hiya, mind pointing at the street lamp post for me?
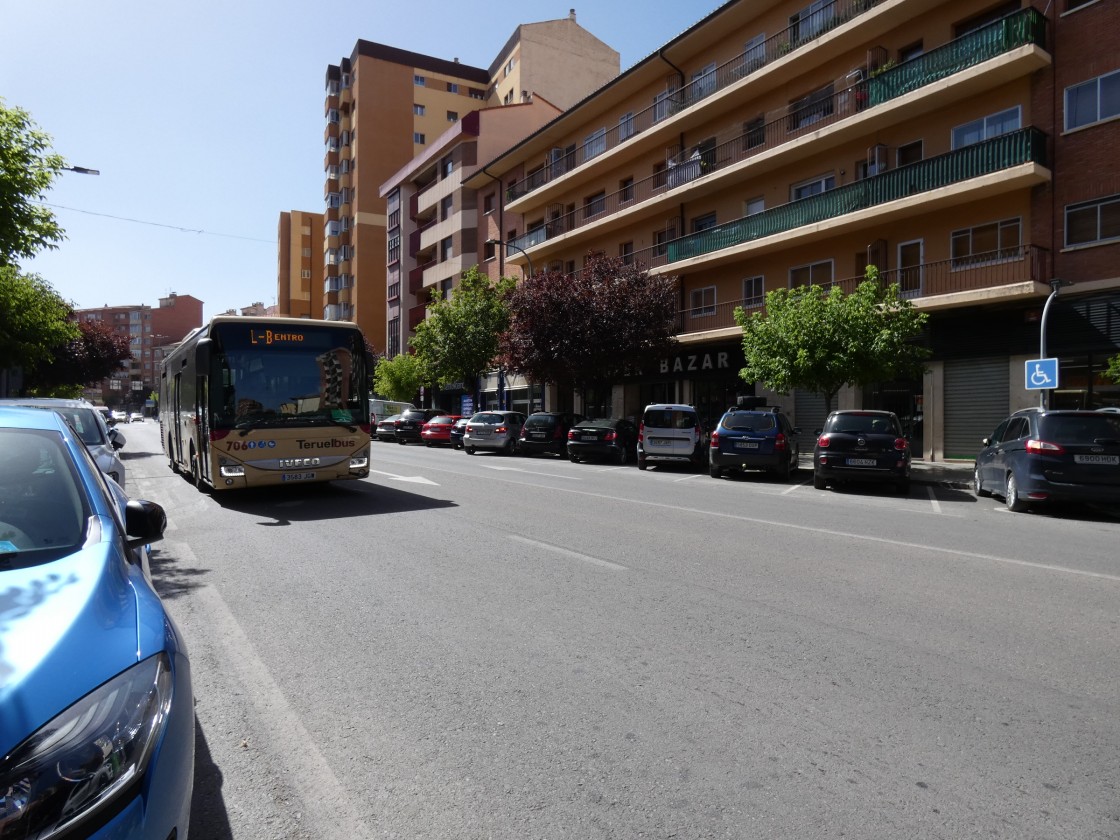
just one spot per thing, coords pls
(1055, 287)
(81, 170)
(508, 245)
(501, 370)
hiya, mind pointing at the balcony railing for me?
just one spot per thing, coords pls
(788, 125)
(416, 277)
(989, 156)
(827, 17)
(1026, 263)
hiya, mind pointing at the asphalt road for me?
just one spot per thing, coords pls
(491, 647)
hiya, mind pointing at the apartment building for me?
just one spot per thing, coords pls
(966, 149)
(385, 106)
(299, 270)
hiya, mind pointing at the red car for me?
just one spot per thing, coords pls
(438, 429)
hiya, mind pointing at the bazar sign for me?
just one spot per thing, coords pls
(687, 362)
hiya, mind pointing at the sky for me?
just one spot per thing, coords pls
(205, 120)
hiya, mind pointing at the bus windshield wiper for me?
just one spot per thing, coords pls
(247, 424)
(334, 422)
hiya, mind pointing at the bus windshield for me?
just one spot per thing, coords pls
(303, 376)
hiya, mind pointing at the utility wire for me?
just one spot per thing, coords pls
(157, 224)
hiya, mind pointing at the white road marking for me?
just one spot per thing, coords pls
(413, 479)
(534, 472)
(794, 487)
(685, 478)
(933, 500)
(575, 555)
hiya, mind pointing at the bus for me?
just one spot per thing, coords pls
(254, 401)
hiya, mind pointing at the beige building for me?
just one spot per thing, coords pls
(299, 280)
(775, 145)
(385, 106)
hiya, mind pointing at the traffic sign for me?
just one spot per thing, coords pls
(1042, 374)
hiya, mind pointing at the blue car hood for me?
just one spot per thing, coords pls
(65, 628)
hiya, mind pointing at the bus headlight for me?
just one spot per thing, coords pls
(232, 471)
(359, 462)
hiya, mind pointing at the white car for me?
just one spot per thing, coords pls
(136, 417)
(101, 441)
(118, 416)
(671, 433)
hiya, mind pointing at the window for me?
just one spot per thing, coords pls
(475, 93)
(452, 116)
(1093, 101)
(394, 249)
(661, 105)
(306, 252)
(452, 87)
(489, 251)
(509, 68)
(810, 21)
(987, 127)
(446, 166)
(332, 143)
(344, 138)
(703, 82)
(419, 81)
(330, 257)
(986, 243)
(508, 98)
(334, 200)
(418, 109)
(595, 144)
(1093, 221)
(810, 109)
(446, 207)
(345, 80)
(488, 203)
(755, 132)
(984, 18)
(332, 88)
(332, 115)
(909, 153)
(660, 243)
(660, 175)
(1077, 4)
(626, 125)
(445, 248)
(702, 302)
(418, 137)
(814, 187)
(813, 274)
(705, 222)
(593, 205)
(754, 53)
(910, 51)
(753, 293)
(305, 274)
(626, 190)
(753, 206)
(626, 252)
(333, 228)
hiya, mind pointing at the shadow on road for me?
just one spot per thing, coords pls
(208, 808)
(313, 502)
(170, 577)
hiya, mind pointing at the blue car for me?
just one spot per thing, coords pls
(96, 705)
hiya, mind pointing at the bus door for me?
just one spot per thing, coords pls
(203, 409)
(175, 420)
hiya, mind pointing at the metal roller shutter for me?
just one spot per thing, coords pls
(810, 415)
(977, 396)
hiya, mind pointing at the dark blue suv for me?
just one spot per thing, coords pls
(756, 438)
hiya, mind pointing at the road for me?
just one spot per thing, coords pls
(492, 647)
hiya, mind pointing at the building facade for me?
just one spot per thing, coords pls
(299, 270)
(965, 150)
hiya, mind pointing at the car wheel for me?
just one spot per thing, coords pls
(573, 459)
(978, 485)
(819, 482)
(641, 463)
(1011, 496)
(714, 471)
(510, 448)
(470, 450)
(620, 456)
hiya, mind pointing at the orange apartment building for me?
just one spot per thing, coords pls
(385, 106)
(967, 149)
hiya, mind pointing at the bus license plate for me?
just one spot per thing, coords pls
(297, 476)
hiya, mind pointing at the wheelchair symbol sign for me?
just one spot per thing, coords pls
(1042, 374)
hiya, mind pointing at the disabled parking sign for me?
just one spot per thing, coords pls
(1042, 374)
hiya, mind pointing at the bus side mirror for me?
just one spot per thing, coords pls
(204, 351)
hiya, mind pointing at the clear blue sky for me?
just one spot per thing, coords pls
(208, 116)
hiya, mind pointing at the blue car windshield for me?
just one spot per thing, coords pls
(41, 507)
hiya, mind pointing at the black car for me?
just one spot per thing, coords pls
(457, 430)
(605, 438)
(1036, 457)
(546, 432)
(411, 423)
(754, 439)
(862, 446)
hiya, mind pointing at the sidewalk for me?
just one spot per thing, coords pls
(956, 474)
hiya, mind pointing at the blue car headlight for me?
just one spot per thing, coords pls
(88, 756)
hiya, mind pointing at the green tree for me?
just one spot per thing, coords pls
(93, 355)
(1113, 370)
(458, 340)
(27, 169)
(33, 319)
(591, 329)
(824, 340)
(400, 377)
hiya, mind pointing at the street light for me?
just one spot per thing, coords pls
(81, 170)
(1055, 286)
(516, 248)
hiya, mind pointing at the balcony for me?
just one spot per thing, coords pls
(985, 158)
(1026, 264)
(787, 127)
(416, 277)
(416, 314)
(794, 37)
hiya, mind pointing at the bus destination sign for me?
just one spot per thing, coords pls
(275, 337)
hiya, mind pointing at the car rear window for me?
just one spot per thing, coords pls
(863, 424)
(743, 422)
(541, 421)
(1080, 428)
(669, 418)
(442, 420)
(488, 418)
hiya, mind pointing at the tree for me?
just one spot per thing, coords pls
(458, 340)
(33, 319)
(824, 340)
(94, 354)
(27, 170)
(1113, 370)
(400, 377)
(591, 329)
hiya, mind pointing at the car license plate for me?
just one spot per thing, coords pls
(1109, 460)
(659, 442)
(589, 437)
(297, 476)
(862, 462)
(746, 444)
(536, 435)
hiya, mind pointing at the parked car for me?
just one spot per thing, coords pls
(136, 417)
(862, 446)
(546, 432)
(411, 424)
(438, 429)
(387, 428)
(603, 438)
(1036, 457)
(670, 433)
(458, 428)
(97, 726)
(754, 439)
(102, 441)
(496, 430)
